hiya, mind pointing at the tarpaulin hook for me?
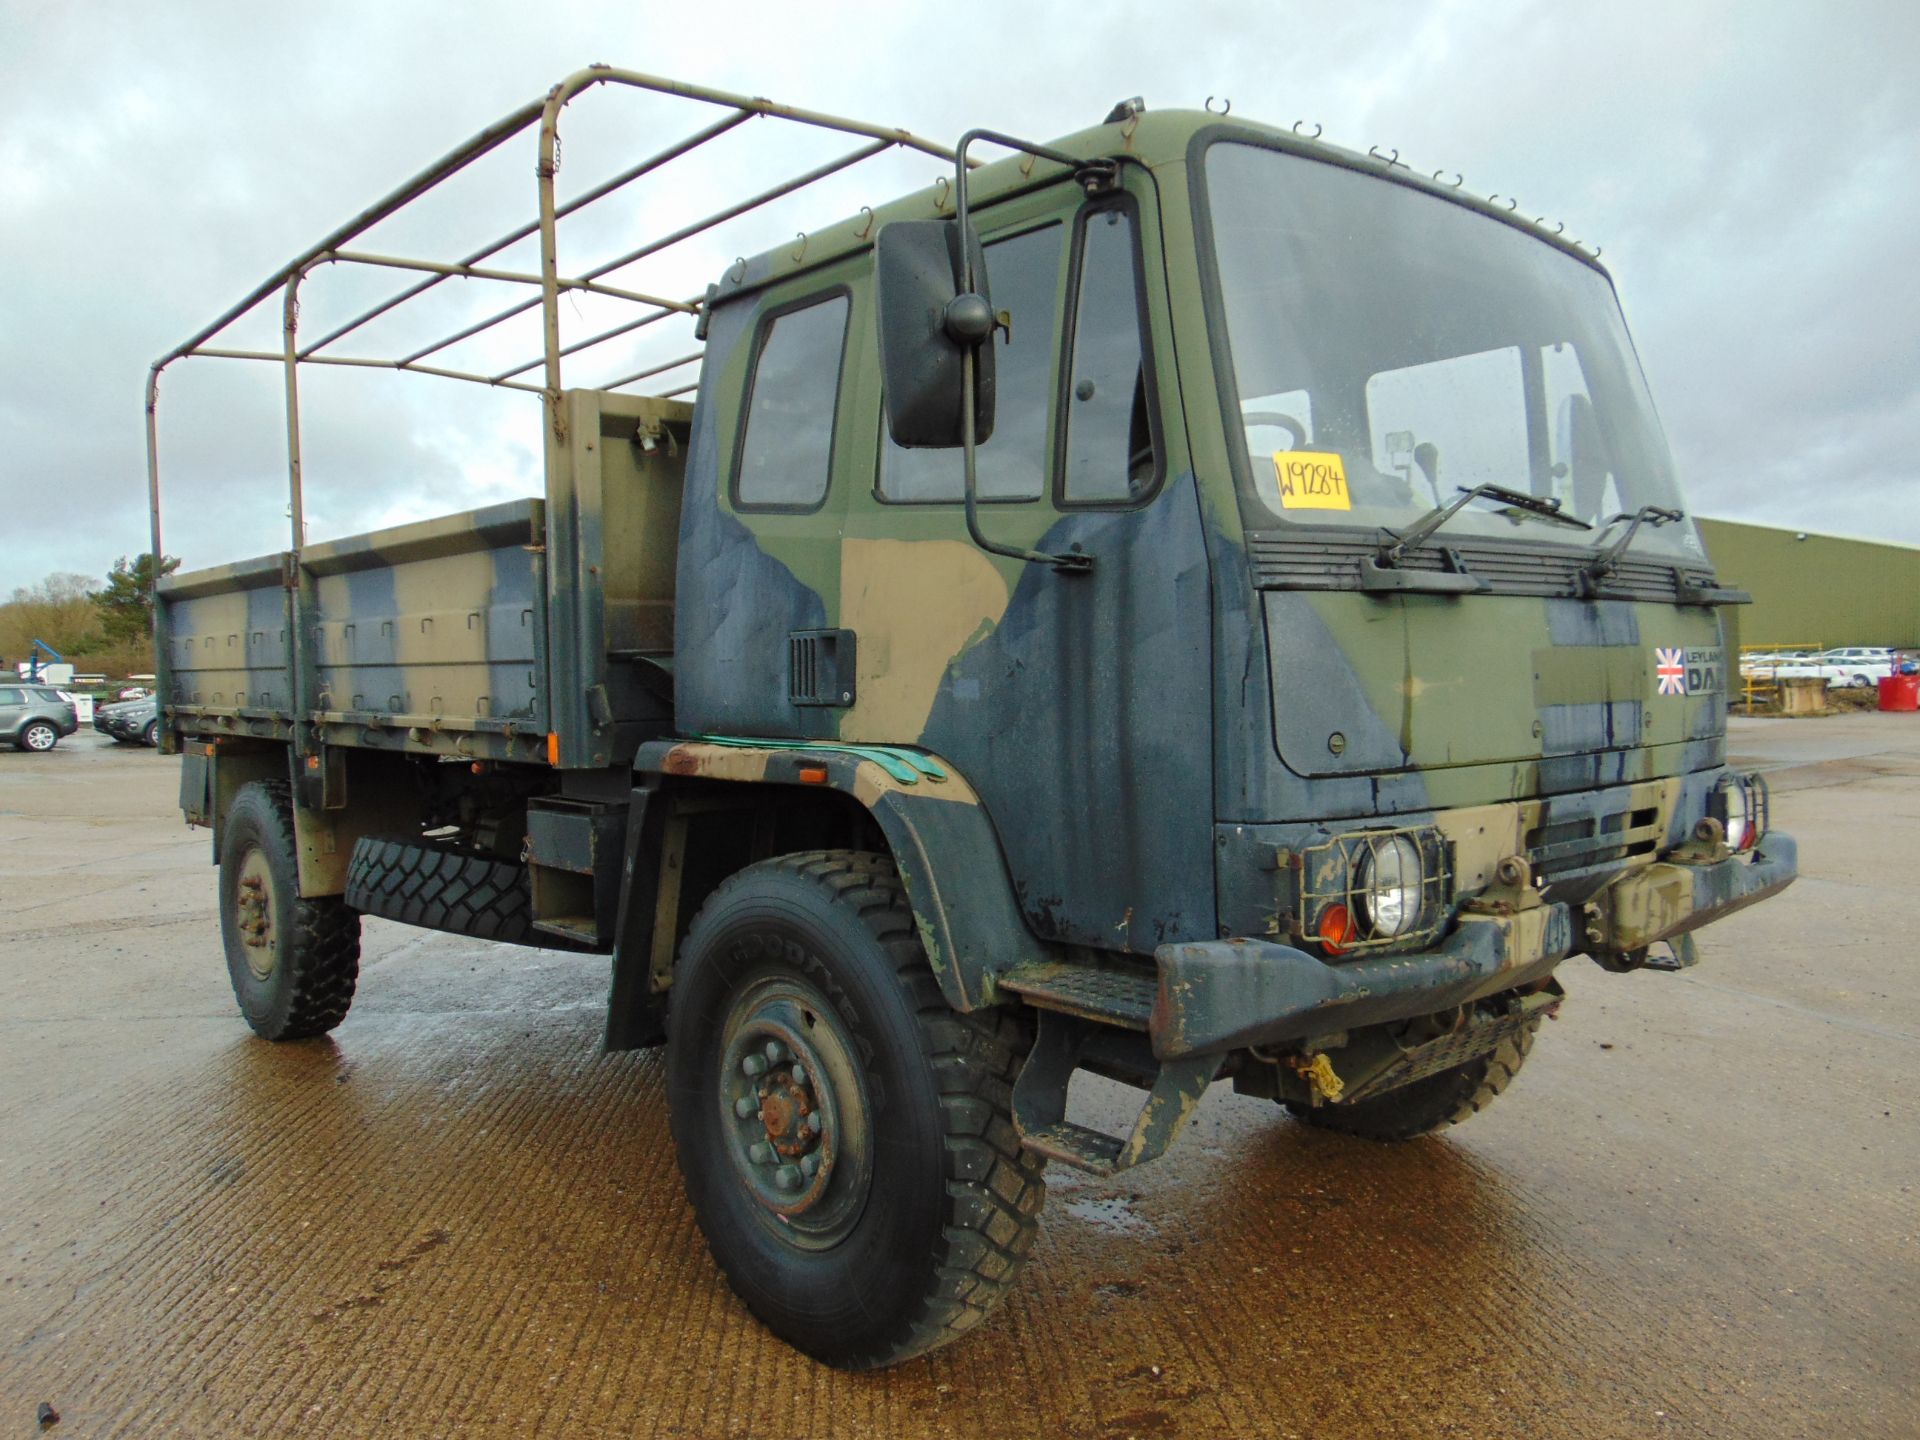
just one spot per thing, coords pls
(738, 272)
(867, 229)
(1388, 160)
(800, 250)
(1226, 106)
(1455, 183)
(1318, 129)
(1512, 204)
(941, 187)
(1559, 227)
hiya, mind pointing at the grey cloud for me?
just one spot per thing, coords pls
(1744, 167)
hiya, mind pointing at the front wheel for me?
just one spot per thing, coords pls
(293, 962)
(39, 737)
(151, 735)
(846, 1139)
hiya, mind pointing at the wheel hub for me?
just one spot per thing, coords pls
(253, 907)
(794, 1113)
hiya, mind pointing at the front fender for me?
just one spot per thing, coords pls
(943, 841)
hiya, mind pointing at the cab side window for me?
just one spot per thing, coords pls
(1024, 273)
(1110, 453)
(786, 442)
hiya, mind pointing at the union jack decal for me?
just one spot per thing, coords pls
(1669, 672)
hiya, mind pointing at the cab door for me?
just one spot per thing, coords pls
(1076, 704)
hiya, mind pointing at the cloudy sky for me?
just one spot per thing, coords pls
(1748, 169)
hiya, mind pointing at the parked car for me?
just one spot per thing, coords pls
(132, 722)
(1846, 667)
(35, 717)
(1857, 665)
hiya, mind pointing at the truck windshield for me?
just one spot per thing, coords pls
(1391, 348)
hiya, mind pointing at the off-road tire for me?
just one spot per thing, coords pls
(440, 886)
(1430, 1104)
(317, 965)
(953, 1204)
(37, 737)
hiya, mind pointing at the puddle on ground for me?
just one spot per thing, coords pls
(1113, 1213)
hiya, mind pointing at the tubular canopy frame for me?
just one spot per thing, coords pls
(333, 250)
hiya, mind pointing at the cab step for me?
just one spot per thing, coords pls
(1106, 995)
(1040, 1098)
(1080, 1146)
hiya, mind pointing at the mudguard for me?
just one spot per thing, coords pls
(941, 837)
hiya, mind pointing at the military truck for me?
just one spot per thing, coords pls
(1183, 603)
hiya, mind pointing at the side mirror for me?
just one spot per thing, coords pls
(927, 326)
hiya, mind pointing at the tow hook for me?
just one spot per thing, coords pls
(1323, 1085)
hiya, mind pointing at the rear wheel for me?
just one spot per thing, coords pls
(846, 1139)
(39, 737)
(294, 962)
(1430, 1104)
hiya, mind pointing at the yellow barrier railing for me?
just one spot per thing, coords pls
(1760, 667)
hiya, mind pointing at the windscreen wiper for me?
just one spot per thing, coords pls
(1441, 514)
(1381, 571)
(1604, 564)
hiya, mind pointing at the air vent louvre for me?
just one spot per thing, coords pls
(1287, 562)
(820, 667)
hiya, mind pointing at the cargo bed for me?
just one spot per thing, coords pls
(534, 630)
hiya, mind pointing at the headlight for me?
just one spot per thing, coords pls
(1387, 884)
(1739, 803)
(1736, 818)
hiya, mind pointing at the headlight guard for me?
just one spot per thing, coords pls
(1742, 806)
(1371, 890)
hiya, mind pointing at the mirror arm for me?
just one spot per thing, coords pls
(1070, 564)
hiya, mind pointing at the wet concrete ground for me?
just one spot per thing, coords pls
(1696, 1213)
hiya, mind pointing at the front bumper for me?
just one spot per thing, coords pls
(1220, 995)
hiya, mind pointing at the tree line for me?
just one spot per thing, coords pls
(104, 627)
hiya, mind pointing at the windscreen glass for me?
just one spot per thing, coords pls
(1391, 348)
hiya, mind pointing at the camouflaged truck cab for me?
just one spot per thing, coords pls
(1185, 603)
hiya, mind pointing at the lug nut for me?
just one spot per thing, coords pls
(776, 1052)
(787, 1177)
(760, 1152)
(753, 1065)
(799, 1073)
(744, 1107)
(810, 1166)
(814, 1122)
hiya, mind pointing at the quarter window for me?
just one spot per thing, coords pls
(1110, 451)
(786, 452)
(1024, 272)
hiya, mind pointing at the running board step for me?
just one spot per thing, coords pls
(1077, 1145)
(1105, 996)
(1040, 1101)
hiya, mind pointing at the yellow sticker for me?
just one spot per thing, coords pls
(1312, 480)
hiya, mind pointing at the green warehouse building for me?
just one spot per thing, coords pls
(1809, 589)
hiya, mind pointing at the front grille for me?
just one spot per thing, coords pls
(1576, 846)
(1291, 562)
